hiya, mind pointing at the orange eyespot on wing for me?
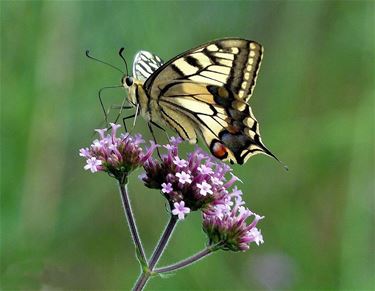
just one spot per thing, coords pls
(219, 150)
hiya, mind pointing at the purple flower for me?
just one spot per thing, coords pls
(183, 177)
(205, 170)
(205, 188)
(180, 210)
(117, 156)
(198, 179)
(84, 152)
(93, 164)
(180, 163)
(230, 231)
(216, 181)
(256, 235)
(166, 188)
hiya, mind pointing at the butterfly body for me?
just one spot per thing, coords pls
(138, 97)
(203, 91)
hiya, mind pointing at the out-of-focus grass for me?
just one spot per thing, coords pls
(63, 228)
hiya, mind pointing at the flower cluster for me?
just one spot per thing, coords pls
(199, 182)
(117, 156)
(231, 231)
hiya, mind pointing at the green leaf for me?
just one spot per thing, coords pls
(165, 275)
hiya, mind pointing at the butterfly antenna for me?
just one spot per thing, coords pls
(120, 52)
(103, 62)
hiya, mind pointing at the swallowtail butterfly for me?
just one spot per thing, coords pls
(203, 92)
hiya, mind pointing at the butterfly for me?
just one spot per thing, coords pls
(203, 92)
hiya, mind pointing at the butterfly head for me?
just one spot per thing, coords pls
(127, 81)
(129, 85)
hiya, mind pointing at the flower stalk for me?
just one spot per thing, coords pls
(158, 251)
(189, 261)
(131, 222)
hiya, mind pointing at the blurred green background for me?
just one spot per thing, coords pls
(63, 228)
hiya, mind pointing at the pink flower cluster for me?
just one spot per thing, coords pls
(117, 156)
(199, 182)
(231, 231)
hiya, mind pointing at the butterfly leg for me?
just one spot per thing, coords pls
(158, 126)
(124, 121)
(150, 123)
(102, 103)
(122, 106)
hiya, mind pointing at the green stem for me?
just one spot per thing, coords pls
(146, 274)
(185, 263)
(131, 222)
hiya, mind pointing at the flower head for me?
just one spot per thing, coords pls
(197, 179)
(231, 231)
(116, 155)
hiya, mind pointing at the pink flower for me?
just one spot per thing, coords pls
(166, 188)
(180, 163)
(205, 188)
(216, 181)
(198, 179)
(183, 177)
(92, 164)
(84, 152)
(116, 155)
(180, 210)
(231, 231)
(205, 170)
(256, 235)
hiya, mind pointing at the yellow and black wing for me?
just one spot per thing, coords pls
(206, 90)
(145, 64)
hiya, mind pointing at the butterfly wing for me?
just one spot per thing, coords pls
(145, 64)
(231, 62)
(206, 89)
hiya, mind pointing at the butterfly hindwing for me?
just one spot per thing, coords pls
(228, 127)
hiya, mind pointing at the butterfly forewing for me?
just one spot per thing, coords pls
(145, 64)
(231, 62)
(206, 90)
